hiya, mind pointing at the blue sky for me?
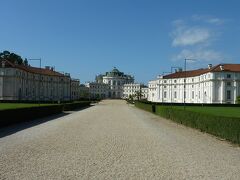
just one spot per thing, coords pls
(140, 37)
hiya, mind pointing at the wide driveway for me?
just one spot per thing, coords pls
(113, 140)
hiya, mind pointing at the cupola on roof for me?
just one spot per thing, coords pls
(115, 70)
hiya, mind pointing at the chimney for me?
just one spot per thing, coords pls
(221, 67)
(52, 68)
(179, 69)
(47, 67)
(209, 66)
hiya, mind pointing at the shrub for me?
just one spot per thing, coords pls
(76, 105)
(10, 116)
(224, 127)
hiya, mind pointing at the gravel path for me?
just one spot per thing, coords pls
(113, 140)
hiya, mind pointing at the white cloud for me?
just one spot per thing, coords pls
(208, 19)
(183, 36)
(200, 55)
(196, 37)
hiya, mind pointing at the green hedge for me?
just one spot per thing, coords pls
(11, 116)
(76, 105)
(224, 127)
(145, 106)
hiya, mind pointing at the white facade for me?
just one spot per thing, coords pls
(75, 89)
(144, 92)
(153, 90)
(133, 89)
(26, 83)
(110, 85)
(218, 84)
(97, 90)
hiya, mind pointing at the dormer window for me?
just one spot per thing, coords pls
(228, 75)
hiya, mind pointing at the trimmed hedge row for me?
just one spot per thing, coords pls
(224, 127)
(76, 105)
(11, 116)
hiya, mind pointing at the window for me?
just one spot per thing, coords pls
(165, 94)
(192, 86)
(184, 94)
(229, 84)
(199, 95)
(165, 81)
(192, 80)
(175, 86)
(192, 94)
(175, 81)
(175, 94)
(228, 75)
(228, 95)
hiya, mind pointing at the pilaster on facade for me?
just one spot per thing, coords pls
(216, 84)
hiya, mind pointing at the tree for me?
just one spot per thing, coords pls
(12, 57)
(138, 94)
(238, 100)
(130, 97)
(25, 62)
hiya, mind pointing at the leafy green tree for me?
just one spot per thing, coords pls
(238, 100)
(12, 57)
(25, 62)
(130, 97)
(138, 94)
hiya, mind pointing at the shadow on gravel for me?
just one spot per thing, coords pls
(11, 129)
(78, 109)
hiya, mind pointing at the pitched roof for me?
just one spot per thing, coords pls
(35, 70)
(197, 72)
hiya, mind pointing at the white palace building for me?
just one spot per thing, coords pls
(116, 85)
(109, 85)
(26, 83)
(215, 84)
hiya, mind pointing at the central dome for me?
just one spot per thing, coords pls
(115, 70)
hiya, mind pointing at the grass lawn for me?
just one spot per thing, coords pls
(4, 106)
(218, 111)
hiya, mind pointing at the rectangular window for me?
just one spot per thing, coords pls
(175, 94)
(228, 75)
(199, 95)
(228, 95)
(229, 84)
(192, 94)
(165, 94)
